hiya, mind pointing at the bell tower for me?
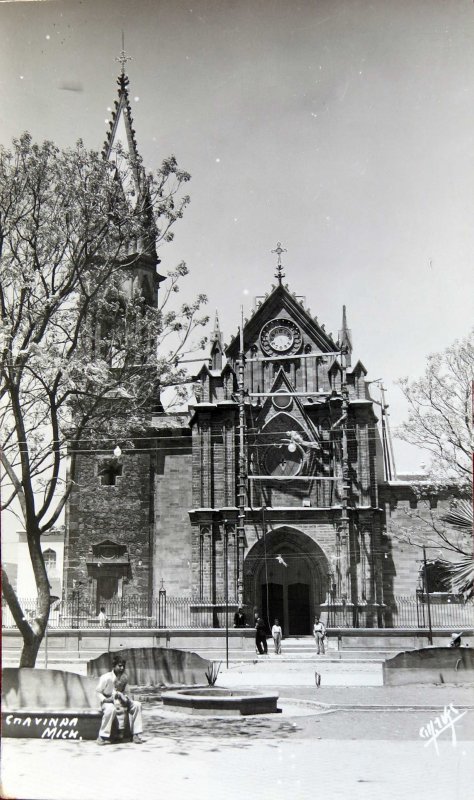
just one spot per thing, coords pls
(120, 148)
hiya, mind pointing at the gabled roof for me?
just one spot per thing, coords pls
(278, 297)
(359, 368)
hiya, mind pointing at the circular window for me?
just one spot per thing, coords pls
(279, 461)
(282, 400)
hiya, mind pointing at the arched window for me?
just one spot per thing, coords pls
(49, 559)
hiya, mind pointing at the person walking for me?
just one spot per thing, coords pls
(114, 702)
(319, 632)
(276, 635)
(261, 637)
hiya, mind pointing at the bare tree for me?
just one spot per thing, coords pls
(440, 422)
(440, 412)
(78, 337)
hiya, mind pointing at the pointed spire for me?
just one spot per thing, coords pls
(279, 274)
(345, 337)
(216, 333)
(217, 347)
(123, 113)
(130, 170)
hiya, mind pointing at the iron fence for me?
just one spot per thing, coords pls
(131, 612)
(189, 612)
(401, 611)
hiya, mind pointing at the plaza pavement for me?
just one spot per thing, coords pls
(338, 741)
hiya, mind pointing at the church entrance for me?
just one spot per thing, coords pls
(289, 580)
(290, 604)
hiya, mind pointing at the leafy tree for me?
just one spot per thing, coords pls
(440, 422)
(440, 412)
(78, 346)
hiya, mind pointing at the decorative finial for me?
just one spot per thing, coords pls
(123, 58)
(279, 274)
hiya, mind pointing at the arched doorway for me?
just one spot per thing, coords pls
(286, 577)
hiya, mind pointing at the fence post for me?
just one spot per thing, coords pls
(162, 606)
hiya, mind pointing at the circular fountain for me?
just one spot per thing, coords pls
(220, 702)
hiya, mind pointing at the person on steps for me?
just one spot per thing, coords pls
(319, 632)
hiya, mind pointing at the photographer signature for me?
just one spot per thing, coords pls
(445, 721)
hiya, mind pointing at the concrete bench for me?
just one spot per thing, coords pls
(49, 704)
(453, 665)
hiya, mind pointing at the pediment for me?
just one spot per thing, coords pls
(281, 304)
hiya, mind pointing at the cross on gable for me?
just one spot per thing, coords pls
(279, 274)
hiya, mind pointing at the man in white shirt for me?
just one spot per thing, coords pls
(319, 632)
(113, 701)
(277, 634)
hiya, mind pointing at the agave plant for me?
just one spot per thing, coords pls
(462, 572)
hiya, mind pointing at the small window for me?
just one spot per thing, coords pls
(109, 470)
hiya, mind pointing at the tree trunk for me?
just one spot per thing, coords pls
(32, 631)
(29, 653)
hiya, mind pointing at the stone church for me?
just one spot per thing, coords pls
(273, 491)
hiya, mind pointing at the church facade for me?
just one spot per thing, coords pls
(273, 491)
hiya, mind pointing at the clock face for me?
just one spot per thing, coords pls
(280, 336)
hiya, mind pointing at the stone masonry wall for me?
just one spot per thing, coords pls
(411, 518)
(121, 513)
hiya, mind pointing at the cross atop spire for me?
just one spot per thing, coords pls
(123, 58)
(279, 274)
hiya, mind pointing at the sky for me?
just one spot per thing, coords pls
(342, 128)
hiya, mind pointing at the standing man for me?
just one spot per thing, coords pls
(276, 635)
(319, 632)
(261, 637)
(111, 691)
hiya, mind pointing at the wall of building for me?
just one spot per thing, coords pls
(24, 580)
(172, 531)
(409, 523)
(121, 513)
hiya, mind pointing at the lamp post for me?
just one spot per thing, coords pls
(76, 585)
(226, 590)
(427, 590)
